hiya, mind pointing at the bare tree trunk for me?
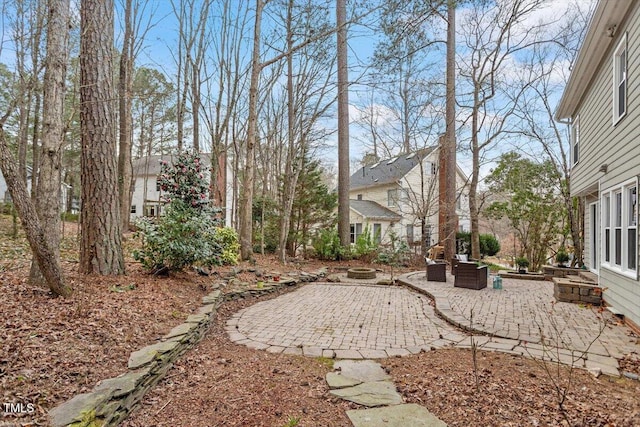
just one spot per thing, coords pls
(48, 201)
(125, 83)
(101, 248)
(35, 147)
(246, 199)
(449, 238)
(475, 176)
(292, 165)
(40, 247)
(343, 125)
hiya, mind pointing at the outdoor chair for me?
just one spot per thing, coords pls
(471, 276)
(459, 258)
(455, 260)
(436, 271)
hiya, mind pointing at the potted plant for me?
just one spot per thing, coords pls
(561, 257)
(523, 264)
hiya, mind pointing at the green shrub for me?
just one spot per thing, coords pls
(562, 256)
(365, 244)
(227, 240)
(188, 233)
(180, 238)
(489, 245)
(327, 245)
(395, 254)
(522, 262)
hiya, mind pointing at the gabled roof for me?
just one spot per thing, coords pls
(150, 165)
(387, 171)
(370, 209)
(601, 33)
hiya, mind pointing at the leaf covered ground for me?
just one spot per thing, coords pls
(52, 349)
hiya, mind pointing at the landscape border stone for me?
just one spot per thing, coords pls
(113, 399)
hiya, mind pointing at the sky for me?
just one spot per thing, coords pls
(162, 35)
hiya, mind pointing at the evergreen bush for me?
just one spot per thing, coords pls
(489, 245)
(327, 245)
(188, 233)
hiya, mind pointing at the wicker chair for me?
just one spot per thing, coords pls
(470, 275)
(436, 271)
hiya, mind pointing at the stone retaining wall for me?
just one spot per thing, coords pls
(568, 290)
(111, 401)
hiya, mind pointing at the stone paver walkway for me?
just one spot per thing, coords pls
(369, 321)
(366, 383)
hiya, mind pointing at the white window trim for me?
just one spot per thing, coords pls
(575, 140)
(622, 46)
(595, 245)
(605, 218)
(611, 191)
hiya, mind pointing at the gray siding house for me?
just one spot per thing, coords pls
(602, 104)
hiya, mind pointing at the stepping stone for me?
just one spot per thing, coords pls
(361, 370)
(378, 393)
(337, 380)
(407, 415)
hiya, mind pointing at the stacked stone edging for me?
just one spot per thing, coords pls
(113, 399)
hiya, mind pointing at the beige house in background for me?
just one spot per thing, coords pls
(602, 104)
(147, 196)
(393, 194)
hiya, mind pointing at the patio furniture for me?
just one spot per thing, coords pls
(460, 258)
(436, 271)
(471, 276)
(455, 260)
(436, 252)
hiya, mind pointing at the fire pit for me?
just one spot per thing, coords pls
(361, 273)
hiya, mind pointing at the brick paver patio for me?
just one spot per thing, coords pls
(368, 321)
(364, 320)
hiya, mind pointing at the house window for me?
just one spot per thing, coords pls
(359, 196)
(392, 197)
(620, 213)
(606, 219)
(133, 209)
(575, 140)
(593, 231)
(410, 233)
(356, 231)
(617, 228)
(429, 168)
(377, 233)
(152, 210)
(158, 184)
(631, 195)
(620, 80)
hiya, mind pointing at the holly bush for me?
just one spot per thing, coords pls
(189, 232)
(180, 238)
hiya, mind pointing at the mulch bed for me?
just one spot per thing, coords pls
(52, 349)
